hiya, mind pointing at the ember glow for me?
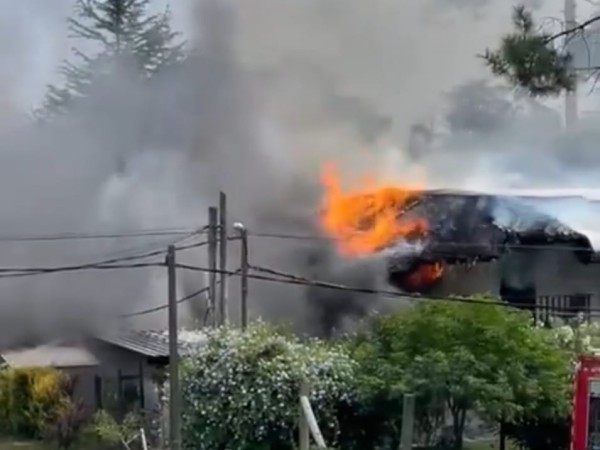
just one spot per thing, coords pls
(370, 218)
(424, 276)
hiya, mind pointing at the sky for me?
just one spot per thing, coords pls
(377, 51)
(34, 40)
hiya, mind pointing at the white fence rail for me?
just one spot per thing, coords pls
(308, 422)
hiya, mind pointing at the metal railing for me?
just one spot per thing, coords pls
(562, 306)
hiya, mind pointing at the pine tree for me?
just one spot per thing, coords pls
(121, 31)
(527, 58)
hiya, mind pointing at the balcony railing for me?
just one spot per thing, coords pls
(562, 306)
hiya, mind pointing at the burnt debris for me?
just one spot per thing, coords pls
(466, 228)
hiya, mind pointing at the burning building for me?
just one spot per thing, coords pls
(463, 243)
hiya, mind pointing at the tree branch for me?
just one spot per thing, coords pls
(572, 30)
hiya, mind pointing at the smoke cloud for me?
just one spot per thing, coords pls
(273, 88)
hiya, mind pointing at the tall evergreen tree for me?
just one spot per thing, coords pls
(118, 31)
(528, 58)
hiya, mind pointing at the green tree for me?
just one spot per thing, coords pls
(122, 33)
(466, 358)
(527, 57)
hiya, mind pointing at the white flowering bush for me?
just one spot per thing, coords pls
(240, 389)
(578, 339)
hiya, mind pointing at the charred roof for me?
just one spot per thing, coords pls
(469, 226)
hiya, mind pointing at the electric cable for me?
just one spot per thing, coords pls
(104, 264)
(179, 301)
(84, 236)
(154, 246)
(165, 306)
(285, 278)
(286, 236)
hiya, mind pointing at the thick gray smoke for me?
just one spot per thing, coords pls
(272, 90)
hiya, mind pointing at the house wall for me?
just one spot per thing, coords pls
(115, 362)
(553, 272)
(84, 386)
(482, 278)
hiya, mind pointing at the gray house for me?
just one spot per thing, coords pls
(513, 247)
(123, 370)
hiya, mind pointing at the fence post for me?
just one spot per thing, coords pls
(408, 422)
(303, 430)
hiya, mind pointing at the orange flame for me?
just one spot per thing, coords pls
(366, 219)
(424, 276)
(369, 218)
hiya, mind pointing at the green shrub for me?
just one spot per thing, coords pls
(240, 390)
(30, 399)
(106, 432)
(65, 429)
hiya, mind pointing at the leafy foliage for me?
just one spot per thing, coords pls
(105, 430)
(30, 399)
(65, 429)
(466, 358)
(240, 390)
(128, 38)
(540, 433)
(527, 59)
(536, 430)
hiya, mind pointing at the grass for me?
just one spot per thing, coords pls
(32, 445)
(24, 445)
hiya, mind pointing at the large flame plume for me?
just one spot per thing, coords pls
(371, 217)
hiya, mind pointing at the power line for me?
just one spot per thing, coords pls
(65, 269)
(84, 236)
(286, 236)
(151, 247)
(111, 263)
(154, 246)
(285, 278)
(166, 306)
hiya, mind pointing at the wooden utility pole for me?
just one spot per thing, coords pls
(243, 234)
(408, 422)
(223, 311)
(212, 264)
(174, 399)
(571, 107)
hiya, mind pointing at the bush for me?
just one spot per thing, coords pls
(65, 429)
(105, 431)
(240, 390)
(540, 433)
(30, 399)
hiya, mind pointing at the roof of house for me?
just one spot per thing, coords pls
(587, 194)
(151, 343)
(59, 356)
(466, 226)
(147, 343)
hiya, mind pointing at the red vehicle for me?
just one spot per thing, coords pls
(585, 425)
